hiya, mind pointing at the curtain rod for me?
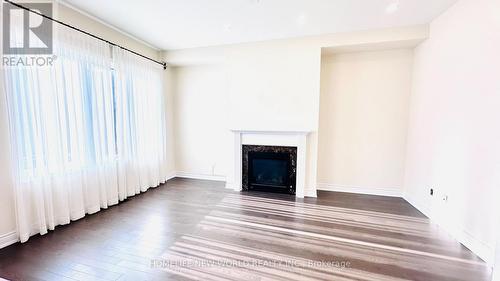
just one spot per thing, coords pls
(164, 64)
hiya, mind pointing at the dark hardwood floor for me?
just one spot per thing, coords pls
(197, 230)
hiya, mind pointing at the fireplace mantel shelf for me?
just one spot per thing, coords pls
(284, 132)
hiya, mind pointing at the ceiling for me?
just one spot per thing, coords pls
(179, 24)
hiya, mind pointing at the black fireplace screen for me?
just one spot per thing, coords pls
(269, 168)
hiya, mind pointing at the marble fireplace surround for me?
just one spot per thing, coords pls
(296, 139)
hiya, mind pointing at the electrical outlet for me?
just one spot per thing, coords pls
(431, 191)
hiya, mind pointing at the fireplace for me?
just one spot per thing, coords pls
(293, 142)
(269, 168)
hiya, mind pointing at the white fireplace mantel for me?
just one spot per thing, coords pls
(273, 138)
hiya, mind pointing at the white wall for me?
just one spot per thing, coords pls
(275, 86)
(454, 130)
(201, 120)
(496, 266)
(254, 86)
(68, 15)
(364, 121)
(272, 85)
(169, 84)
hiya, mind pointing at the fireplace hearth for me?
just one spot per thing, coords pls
(269, 168)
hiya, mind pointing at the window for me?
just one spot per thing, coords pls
(82, 113)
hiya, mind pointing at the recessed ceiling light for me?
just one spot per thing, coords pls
(392, 7)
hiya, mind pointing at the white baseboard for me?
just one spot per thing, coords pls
(171, 176)
(392, 192)
(187, 175)
(483, 250)
(8, 239)
(478, 247)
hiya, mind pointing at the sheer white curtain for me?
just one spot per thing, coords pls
(83, 135)
(140, 126)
